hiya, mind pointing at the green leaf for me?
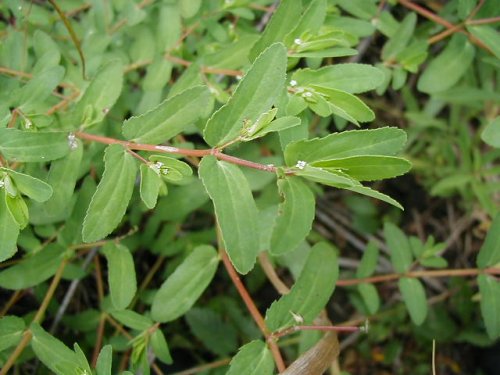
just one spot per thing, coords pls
(170, 169)
(34, 269)
(374, 194)
(311, 291)
(444, 71)
(382, 141)
(490, 304)
(367, 168)
(113, 193)
(370, 297)
(401, 255)
(311, 21)
(53, 353)
(360, 8)
(218, 336)
(39, 88)
(62, 177)
(295, 215)
(169, 118)
(9, 231)
(83, 363)
(104, 361)
(32, 187)
(414, 298)
(181, 290)
(101, 94)
(491, 133)
(235, 210)
(160, 347)
(11, 331)
(329, 52)
(132, 319)
(121, 274)
(253, 358)
(351, 78)
(488, 35)
(368, 261)
(150, 185)
(25, 146)
(489, 254)
(346, 105)
(18, 209)
(400, 39)
(283, 20)
(255, 94)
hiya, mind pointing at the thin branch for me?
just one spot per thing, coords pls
(484, 21)
(419, 274)
(180, 151)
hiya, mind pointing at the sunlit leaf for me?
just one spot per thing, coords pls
(490, 304)
(413, 294)
(253, 358)
(489, 254)
(401, 255)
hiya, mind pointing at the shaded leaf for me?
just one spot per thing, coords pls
(490, 304)
(295, 215)
(401, 255)
(414, 298)
(34, 269)
(311, 291)
(181, 290)
(39, 88)
(368, 261)
(132, 319)
(112, 196)
(489, 254)
(255, 94)
(150, 185)
(121, 274)
(169, 118)
(488, 35)
(11, 331)
(370, 296)
(401, 37)
(491, 133)
(160, 347)
(444, 71)
(235, 210)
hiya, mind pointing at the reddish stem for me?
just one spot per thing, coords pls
(256, 315)
(175, 150)
(418, 274)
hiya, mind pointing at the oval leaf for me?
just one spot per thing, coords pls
(401, 255)
(414, 298)
(150, 186)
(253, 358)
(11, 331)
(490, 304)
(160, 347)
(491, 133)
(235, 209)
(446, 69)
(169, 118)
(295, 215)
(24, 146)
(181, 290)
(32, 187)
(113, 193)
(311, 291)
(255, 94)
(351, 78)
(121, 274)
(104, 361)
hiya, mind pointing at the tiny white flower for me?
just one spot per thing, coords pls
(301, 164)
(72, 143)
(212, 90)
(105, 111)
(307, 94)
(298, 41)
(2, 184)
(293, 83)
(238, 77)
(28, 124)
(299, 319)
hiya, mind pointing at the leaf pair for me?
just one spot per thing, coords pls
(343, 159)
